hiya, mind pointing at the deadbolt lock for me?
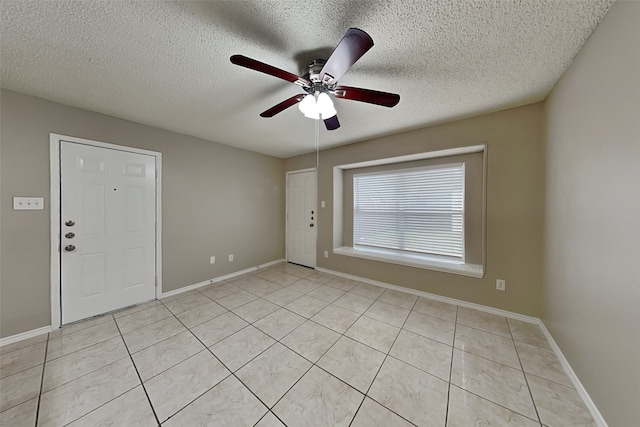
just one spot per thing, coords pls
(69, 248)
(70, 223)
(69, 235)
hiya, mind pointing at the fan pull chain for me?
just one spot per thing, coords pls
(317, 147)
(317, 139)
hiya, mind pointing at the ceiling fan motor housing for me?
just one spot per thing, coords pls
(312, 74)
(312, 71)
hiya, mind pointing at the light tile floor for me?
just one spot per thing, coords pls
(289, 346)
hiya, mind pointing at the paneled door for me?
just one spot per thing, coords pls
(107, 230)
(302, 218)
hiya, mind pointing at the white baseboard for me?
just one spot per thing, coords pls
(24, 335)
(461, 303)
(595, 413)
(218, 279)
(591, 406)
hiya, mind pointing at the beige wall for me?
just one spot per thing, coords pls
(218, 200)
(592, 291)
(514, 207)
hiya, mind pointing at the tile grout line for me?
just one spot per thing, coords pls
(526, 380)
(366, 394)
(27, 368)
(570, 387)
(326, 351)
(79, 322)
(44, 362)
(153, 410)
(452, 353)
(392, 344)
(287, 347)
(313, 363)
(279, 341)
(345, 336)
(487, 332)
(231, 373)
(99, 406)
(187, 329)
(453, 350)
(82, 348)
(498, 362)
(76, 351)
(496, 404)
(493, 361)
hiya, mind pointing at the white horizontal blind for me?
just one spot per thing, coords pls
(415, 210)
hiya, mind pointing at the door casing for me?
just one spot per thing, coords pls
(286, 249)
(54, 197)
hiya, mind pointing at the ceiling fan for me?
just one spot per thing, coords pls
(320, 79)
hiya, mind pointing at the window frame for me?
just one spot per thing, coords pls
(341, 246)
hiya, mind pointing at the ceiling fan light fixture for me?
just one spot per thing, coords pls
(325, 106)
(314, 106)
(309, 108)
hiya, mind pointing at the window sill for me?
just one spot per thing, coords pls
(471, 270)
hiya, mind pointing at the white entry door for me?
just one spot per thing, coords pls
(302, 218)
(107, 230)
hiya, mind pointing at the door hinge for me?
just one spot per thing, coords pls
(156, 281)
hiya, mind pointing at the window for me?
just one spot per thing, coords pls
(417, 211)
(423, 210)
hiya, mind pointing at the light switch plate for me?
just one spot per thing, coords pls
(28, 203)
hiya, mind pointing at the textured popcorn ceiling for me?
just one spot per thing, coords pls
(166, 64)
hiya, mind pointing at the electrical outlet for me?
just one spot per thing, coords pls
(501, 285)
(212, 260)
(326, 254)
(230, 257)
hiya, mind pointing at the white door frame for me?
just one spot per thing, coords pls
(54, 205)
(286, 212)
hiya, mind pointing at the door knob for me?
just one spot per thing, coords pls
(69, 248)
(69, 223)
(69, 235)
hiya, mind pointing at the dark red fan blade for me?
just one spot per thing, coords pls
(332, 123)
(252, 64)
(353, 45)
(385, 99)
(282, 106)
